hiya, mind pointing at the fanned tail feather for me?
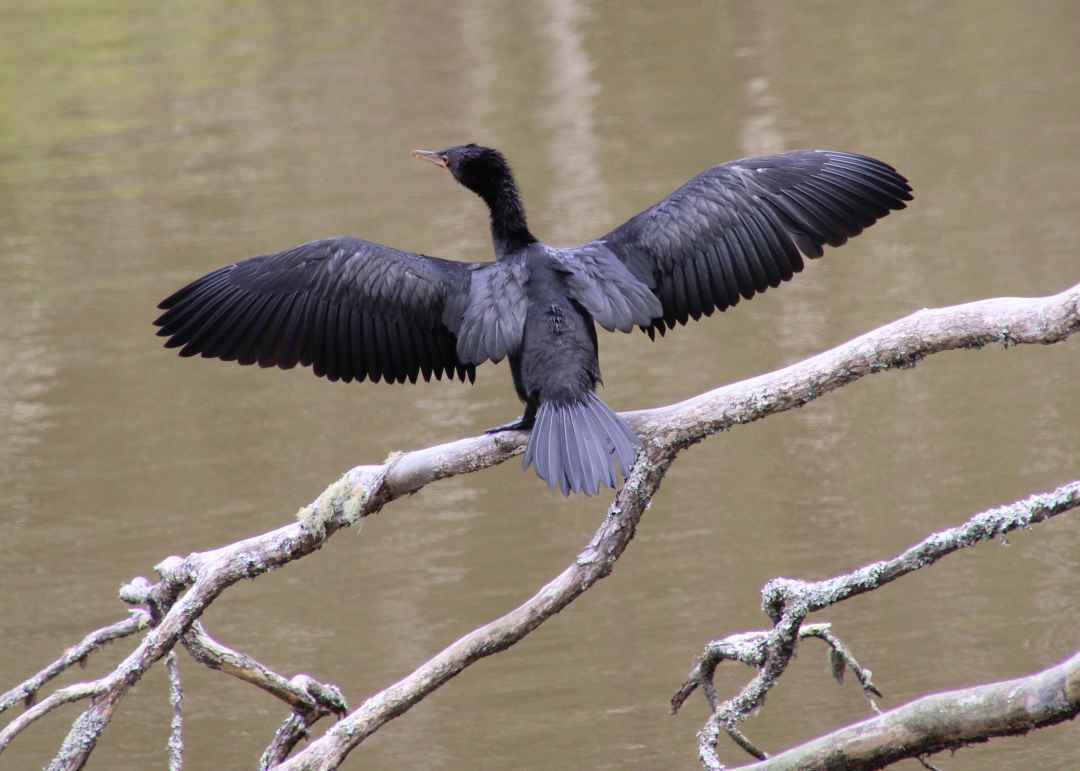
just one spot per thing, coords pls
(573, 444)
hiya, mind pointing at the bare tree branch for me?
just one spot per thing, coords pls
(749, 648)
(593, 563)
(842, 660)
(287, 736)
(302, 693)
(77, 654)
(943, 721)
(780, 593)
(59, 698)
(189, 585)
(788, 602)
(176, 725)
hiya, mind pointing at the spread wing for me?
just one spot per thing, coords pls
(346, 307)
(741, 227)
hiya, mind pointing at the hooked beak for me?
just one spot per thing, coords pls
(430, 155)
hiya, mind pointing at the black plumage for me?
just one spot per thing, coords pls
(352, 309)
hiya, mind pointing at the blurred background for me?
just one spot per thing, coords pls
(141, 148)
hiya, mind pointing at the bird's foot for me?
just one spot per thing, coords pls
(521, 424)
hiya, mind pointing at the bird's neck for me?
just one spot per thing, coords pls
(509, 231)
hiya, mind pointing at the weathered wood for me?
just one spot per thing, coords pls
(942, 721)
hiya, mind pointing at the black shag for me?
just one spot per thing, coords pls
(353, 309)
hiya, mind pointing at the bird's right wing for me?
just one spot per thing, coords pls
(349, 309)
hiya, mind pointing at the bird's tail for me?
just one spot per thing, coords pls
(572, 444)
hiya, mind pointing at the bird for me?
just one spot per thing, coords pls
(353, 310)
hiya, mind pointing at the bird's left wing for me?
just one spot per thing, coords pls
(738, 228)
(349, 309)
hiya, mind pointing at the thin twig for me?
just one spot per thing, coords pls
(749, 648)
(302, 693)
(745, 647)
(740, 739)
(27, 690)
(56, 699)
(176, 726)
(841, 658)
(286, 737)
(985, 526)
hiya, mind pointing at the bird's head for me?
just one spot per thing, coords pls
(481, 169)
(486, 173)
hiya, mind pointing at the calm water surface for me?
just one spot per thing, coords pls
(141, 148)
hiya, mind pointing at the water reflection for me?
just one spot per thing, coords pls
(24, 381)
(576, 209)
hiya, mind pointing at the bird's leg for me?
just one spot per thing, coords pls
(524, 423)
(514, 425)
